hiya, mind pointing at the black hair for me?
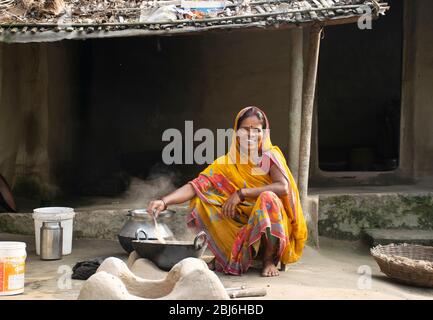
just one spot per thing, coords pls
(252, 112)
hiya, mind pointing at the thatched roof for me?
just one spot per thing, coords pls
(50, 20)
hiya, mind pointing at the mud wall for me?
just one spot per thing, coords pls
(83, 112)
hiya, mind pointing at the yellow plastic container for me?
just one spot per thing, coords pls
(12, 267)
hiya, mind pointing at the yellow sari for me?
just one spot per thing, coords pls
(235, 241)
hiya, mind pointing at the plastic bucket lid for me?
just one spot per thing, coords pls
(53, 213)
(12, 245)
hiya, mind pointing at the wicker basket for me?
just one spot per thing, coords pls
(406, 263)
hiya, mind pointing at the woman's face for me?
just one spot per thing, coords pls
(250, 134)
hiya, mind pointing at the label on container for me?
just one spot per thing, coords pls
(12, 274)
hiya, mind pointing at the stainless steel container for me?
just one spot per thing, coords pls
(51, 241)
(140, 219)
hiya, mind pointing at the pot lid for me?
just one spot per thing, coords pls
(143, 213)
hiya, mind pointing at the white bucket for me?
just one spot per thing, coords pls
(61, 214)
(12, 267)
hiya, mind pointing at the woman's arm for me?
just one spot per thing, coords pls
(279, 186)
(180, 195)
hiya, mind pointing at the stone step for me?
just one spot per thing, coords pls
(375, 237)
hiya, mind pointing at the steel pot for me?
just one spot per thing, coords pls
(166, 255)
(141, 219)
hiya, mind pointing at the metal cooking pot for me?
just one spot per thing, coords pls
(141, 219)
(166, 255)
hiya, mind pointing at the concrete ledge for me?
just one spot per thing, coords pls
(311, 214)
(344, 216)
(338, 216)
(94, 224)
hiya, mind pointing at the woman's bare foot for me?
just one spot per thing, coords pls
(269, 269)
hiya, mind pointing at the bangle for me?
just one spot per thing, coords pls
(240, 195)
(165, 204)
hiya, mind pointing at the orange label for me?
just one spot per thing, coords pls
(12, 274)
(2, 287)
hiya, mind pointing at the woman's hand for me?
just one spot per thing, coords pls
(155, 207)
(229, 207)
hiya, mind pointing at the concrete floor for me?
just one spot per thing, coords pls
(328, 273)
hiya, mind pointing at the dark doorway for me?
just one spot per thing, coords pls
(359, 95)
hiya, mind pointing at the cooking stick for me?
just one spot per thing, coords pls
(157, 234)
(251, 292)
(236, 288)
